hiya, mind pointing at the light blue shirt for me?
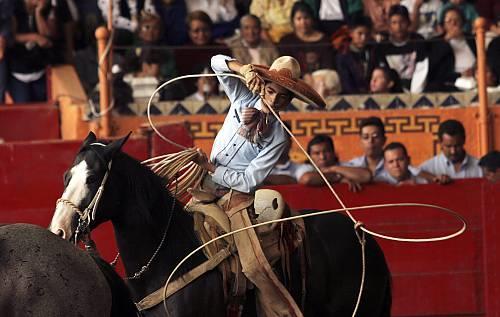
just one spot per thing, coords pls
(440, 165)
(292, 169)
(241, 164)
(385, 177)
(361, 161)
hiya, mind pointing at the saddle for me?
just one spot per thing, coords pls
(278, 240)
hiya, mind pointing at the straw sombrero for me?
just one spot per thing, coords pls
(285, 71)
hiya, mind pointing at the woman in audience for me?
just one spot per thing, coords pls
(309, 46)
(27, 58)
(197, 54)
(275, 17)
(452, 55)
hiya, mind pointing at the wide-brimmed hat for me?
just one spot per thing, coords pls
(285, 71)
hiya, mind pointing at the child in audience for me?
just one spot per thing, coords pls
(353, 65)
(384, 80)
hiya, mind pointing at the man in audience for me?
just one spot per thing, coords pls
(397, 167)
(490, 164)
(453, 161)
(354, 64)
(372, 135)
(405, 52)
(250, 47)
(322, 151)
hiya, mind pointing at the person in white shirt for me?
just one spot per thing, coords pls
(397, 167)
(453, 161)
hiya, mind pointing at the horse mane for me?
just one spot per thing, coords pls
(153, 208)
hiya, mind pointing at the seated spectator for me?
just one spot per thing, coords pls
(333, 14)
(322, 151)
(275, 17)
(405, 52)
(490, 164)
(452, 55)
(250, 47)
(223, 14)
(326, 82)
(470, 83)
(384, 81)
(378, 12)
(310, 47)
(424, 16)
(354, 63)
(453, 161)
(173, 15)
(397, 167)
(28, 57)
(197, 53)
(6, 12)
(372, 137)
(286, 171)
(206, 87)
(468, 10)
(146, 66)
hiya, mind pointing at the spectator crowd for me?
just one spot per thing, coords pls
(386, 163)
(343, 47)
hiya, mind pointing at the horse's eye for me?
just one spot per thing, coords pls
(91, 179)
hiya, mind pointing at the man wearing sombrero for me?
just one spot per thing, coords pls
(245, 151)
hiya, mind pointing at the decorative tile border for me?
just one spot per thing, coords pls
(337, 103)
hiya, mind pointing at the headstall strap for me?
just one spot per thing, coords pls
(88, 214)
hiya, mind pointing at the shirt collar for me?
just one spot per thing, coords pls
(463, 164)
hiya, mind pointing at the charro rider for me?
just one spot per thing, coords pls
(245, 151)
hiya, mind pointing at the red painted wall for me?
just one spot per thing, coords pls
(29, 122)
(450, 278)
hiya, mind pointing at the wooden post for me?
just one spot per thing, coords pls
(102, 35)
(480, 25)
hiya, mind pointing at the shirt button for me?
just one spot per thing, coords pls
(227, 154)
(234, 144)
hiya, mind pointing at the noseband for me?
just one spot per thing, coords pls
(88, 215)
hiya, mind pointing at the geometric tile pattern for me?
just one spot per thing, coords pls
(336, 103)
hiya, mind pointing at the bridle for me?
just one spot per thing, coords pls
(88, 215)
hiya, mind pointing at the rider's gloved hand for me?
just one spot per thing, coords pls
(253, 81)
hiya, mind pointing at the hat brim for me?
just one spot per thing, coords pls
(298, 87)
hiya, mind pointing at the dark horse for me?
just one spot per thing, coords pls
(141, 210)
(43, 275)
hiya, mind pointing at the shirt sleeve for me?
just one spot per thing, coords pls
(259, 168)
(302, 169)
(233, 87)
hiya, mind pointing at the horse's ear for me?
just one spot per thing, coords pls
(91, 138)
(116, 146)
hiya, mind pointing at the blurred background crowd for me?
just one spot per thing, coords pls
(344, 47)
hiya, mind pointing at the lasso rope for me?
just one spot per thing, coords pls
(357, 224)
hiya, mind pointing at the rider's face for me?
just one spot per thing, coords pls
(276, 97)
